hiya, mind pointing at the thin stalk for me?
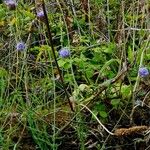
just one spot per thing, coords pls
(75, 83)
(108, 20)
(53, 51)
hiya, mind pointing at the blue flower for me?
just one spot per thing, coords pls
(143, 72)
(11, 4)
(40, 15)
(20, 46)
(64, 52)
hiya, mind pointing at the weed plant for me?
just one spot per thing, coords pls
(72, 72)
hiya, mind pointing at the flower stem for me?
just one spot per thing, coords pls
(53, 51)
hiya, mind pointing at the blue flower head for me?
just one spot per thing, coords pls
(11, 4)
(143, 72)
(20, 46)
(64, 52)
(40, 15)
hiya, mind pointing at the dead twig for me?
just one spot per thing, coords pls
(130, 131)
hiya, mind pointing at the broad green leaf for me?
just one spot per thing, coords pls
(115, 102)
(103, 114)
(61, 62)
(67, 65)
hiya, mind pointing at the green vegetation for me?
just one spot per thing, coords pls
(72, 73)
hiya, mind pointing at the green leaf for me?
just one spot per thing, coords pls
(69, 78)
(103, 114)
(67, 65)
(3, 72)
(89, 72)
(110, 49)
(98, 57)
(115, 102)
(61, 63)
(130, 55)
(147, 57)
(126, 91)
(100, 107)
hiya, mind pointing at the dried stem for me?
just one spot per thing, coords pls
(53, 51)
